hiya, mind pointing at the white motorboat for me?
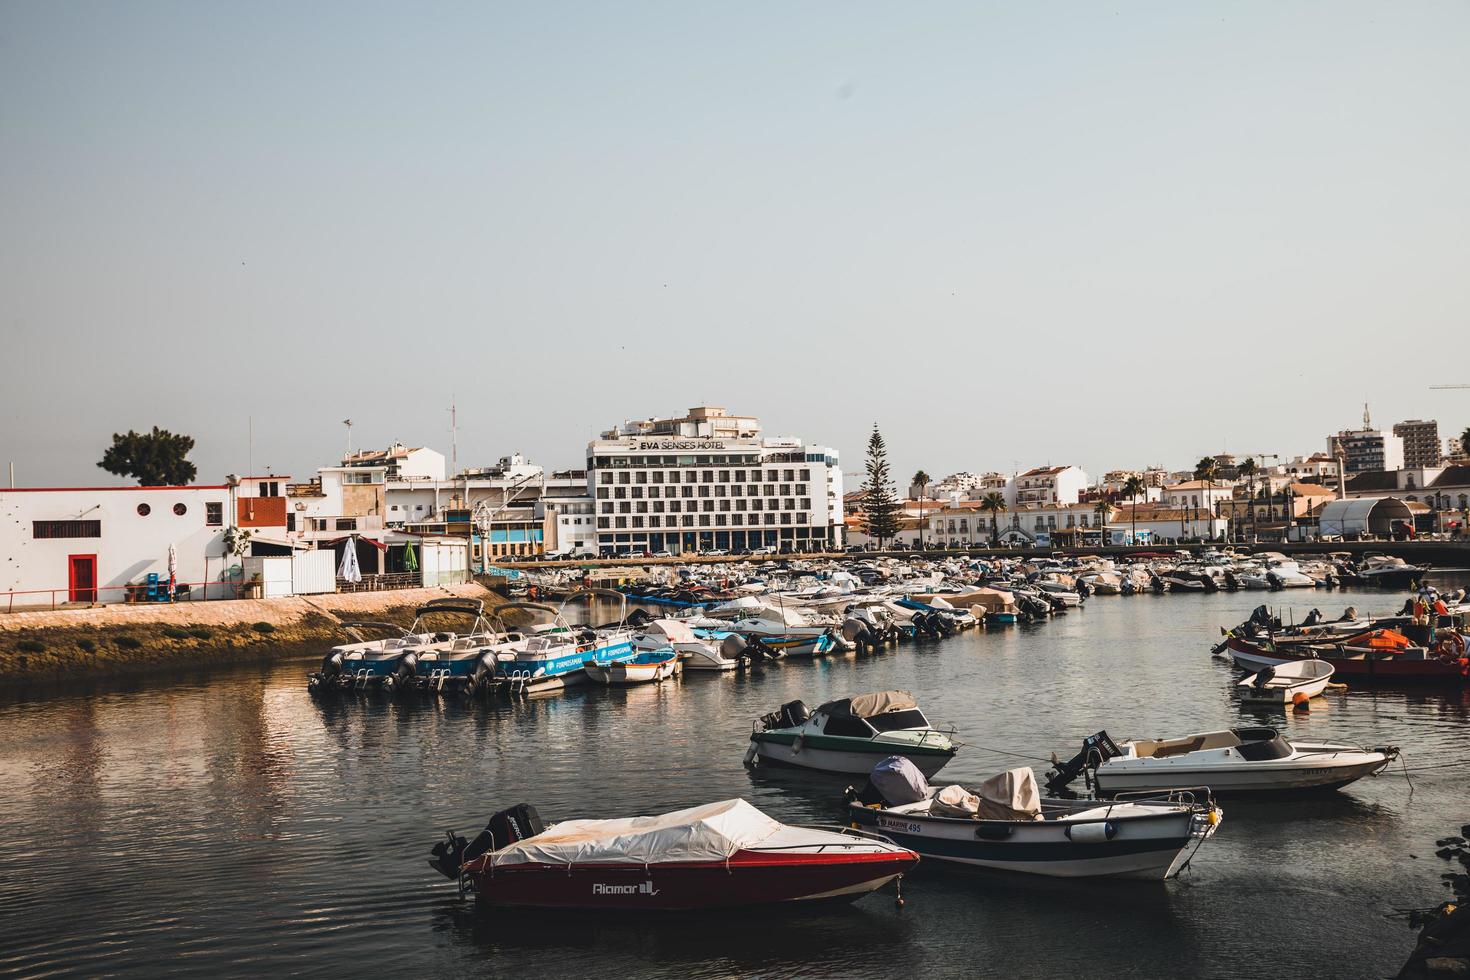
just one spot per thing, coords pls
(1285, 683)
(1281, 573)
(699, 648)
(1238, 760)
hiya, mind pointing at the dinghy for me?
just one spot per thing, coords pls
(1282, 684)
(645, 667)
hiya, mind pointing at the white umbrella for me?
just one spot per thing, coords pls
(348, 569)
(173, 568)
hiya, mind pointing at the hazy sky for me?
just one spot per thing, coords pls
(1105, 234)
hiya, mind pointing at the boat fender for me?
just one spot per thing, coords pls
(994, 830)
(750, 756)
(798, 742)
(332, 664)
(1300, 701)
(1092, 833)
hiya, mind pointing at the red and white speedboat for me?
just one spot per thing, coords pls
(714, 856)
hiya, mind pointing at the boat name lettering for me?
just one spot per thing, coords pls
(646, 888)
(681, 444)
(907, 826)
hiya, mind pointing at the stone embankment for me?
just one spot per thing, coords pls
(109, 641)
(1443, 949)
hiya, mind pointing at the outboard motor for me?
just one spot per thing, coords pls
(1096, 749)
(1313, 618)
(505, 828)
(1263, 677)
(734, 647)
(789, 715)
(856, 632)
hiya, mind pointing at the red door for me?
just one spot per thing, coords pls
(81, 578)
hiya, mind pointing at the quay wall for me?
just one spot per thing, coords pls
(1440, 554)
(66, 645)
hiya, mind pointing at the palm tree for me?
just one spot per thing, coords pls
(1465, 442)
(1205, 470)
(1134, 486)
(1247, 469)
(921, 480)
(1101, 510)
(994, 503)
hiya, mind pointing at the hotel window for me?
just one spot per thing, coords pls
(707, 505)
(738, 520)
(719, 520)
(703, 490)
(620, 493)
(724, 505)
(637, 493)
(637, 522)
(66, 529)
(806, 474)
(806, 503)
(724, 476)
(653, 492)
(772, 475)
(739, 476)
(623, 477)
(607, 508)
(770, 518)
(686, 491)
(739, 505)
(704, 520)
(719, 490)
(641, 507)
(658, 476)
(801, 518)
(658, 506)
(800, 488)
(755, 504)
(688, 520)
(770, 489)
(709, 476)
(214, 514)
(622, 522)
(674, 477)
(625, 508)
(642, 476)
(602, 522)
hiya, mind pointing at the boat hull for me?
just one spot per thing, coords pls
(816, 752)
(747, 879)
(1153, 848)
(630, 673)
(1364, 667)
(1283, 776)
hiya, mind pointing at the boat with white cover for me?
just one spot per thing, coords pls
(1281, 685)
(699, 648)
(1005, 825)
(720, 855)
(1238, 760)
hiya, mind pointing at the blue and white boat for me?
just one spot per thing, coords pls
(787, 631)
(699, 647)
(551, 656)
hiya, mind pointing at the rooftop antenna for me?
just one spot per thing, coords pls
(453, 437)
(1367, 422)
(348, 423)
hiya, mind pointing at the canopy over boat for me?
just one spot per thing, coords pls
(869, 705)
(673, 630)
(713, 832)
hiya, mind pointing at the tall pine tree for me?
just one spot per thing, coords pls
(880, 508)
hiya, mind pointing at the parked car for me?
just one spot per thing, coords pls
(716, 553)
(767, 550)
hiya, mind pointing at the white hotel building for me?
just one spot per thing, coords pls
(711, 480)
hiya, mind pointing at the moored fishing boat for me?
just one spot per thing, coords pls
(721, 855)
(1005, 825)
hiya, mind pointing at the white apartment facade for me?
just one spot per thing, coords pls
(710, 480)
(1045, 486)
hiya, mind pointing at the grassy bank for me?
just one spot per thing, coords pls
(112, 641)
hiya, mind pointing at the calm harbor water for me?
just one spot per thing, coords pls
(231, 824)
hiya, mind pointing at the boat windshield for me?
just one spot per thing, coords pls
(891, 721)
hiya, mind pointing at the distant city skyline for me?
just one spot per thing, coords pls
(1010, 235)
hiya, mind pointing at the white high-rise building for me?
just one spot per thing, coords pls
(710, 480)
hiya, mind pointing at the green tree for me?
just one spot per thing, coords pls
(1102, 510)
(880, 509)
(1205, 470)
(994, 504)
(154, 459)
(1247, 469)
(1134, 486)
(921, 480)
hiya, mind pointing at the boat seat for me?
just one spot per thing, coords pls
(1179, 748)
